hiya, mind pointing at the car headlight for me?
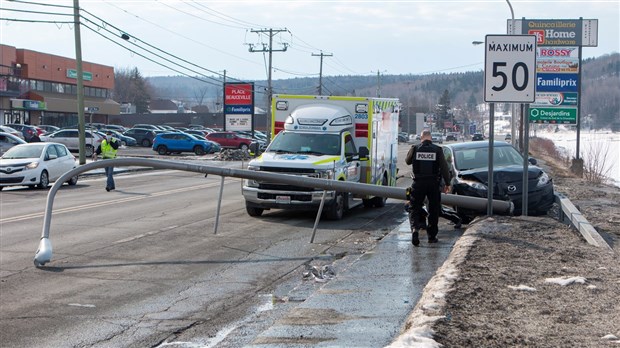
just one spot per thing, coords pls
(474, 184)
(326, 174)
(257, 168)
(32, 165)
(543, 180)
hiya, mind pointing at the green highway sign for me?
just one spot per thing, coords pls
(553, 115)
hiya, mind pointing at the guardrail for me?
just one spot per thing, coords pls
(570, 214)
(43, 254)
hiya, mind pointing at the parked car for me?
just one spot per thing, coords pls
(28, 131)
(452, 137)
(477, 137)
(143, 136)
(70, 138)
(215, 147)
(7, 141)
(177, 142)
(402, 138)
(115, 127)
(36, 164)
(125, 139)
(508, 137)
(48, 128)
(230, 140)
(15, 132)
(470, 162)
(437, 137)
(147, 126)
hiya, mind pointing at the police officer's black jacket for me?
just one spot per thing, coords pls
(428, 161)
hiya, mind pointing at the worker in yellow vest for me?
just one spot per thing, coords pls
(108, 149)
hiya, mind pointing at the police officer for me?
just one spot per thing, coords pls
(429, 166)
(108, 149)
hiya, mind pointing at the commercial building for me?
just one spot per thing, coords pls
(40, 88)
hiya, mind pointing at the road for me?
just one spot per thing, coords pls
(142, 264)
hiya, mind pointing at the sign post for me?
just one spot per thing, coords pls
(509, 77)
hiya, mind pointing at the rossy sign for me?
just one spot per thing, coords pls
(238, 106)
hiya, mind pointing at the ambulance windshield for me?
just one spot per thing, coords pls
(306, 143)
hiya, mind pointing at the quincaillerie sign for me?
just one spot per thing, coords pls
(558, 32)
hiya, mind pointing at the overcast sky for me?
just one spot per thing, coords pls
(364, 37)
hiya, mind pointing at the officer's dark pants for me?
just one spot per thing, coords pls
(425, 188)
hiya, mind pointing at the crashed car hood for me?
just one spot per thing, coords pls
(501, 174)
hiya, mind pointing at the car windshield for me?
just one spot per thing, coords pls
(310, 143)
(466, 159)
(17, 152)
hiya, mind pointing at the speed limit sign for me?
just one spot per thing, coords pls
(510, 68)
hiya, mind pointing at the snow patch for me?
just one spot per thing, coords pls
(521, 287)
(563, 281)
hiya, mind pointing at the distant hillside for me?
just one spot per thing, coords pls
(419, 93)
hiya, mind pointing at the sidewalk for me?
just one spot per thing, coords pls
(369, 300)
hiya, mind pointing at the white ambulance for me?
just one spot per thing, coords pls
(339, 138)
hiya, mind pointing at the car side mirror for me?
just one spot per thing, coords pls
(363, 153)
(532, 161)
(50, 157)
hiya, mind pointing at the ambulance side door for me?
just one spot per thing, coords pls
(353, 165)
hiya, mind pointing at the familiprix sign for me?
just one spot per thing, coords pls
(556, 82)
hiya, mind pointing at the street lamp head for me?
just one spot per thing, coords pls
(475, 43)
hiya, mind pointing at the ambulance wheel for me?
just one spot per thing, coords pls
(368, 203)
(379, 202)
(253, 211)
(336, 210)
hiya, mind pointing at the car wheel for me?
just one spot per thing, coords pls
(367, 203)
(146, 142)
(123, 143)
(336, 210)
(1, 187)
(199, 150)
(88, 151)
(73, 181)
(44, 180)
(244, 147)
(253, 211)
(162, 150)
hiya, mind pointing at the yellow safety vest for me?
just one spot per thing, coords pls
(107, 151)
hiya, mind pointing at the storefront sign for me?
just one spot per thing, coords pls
(555, 99)
(553, 115)
(557, 82)
(558, 32)
(72, 74)
(25, 104)
(238, 122)
(238, 106)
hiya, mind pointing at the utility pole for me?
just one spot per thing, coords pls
(379, 83)
(321, 69)
(80, 82)
(271, 33)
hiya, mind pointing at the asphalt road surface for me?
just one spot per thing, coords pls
(141, 265)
